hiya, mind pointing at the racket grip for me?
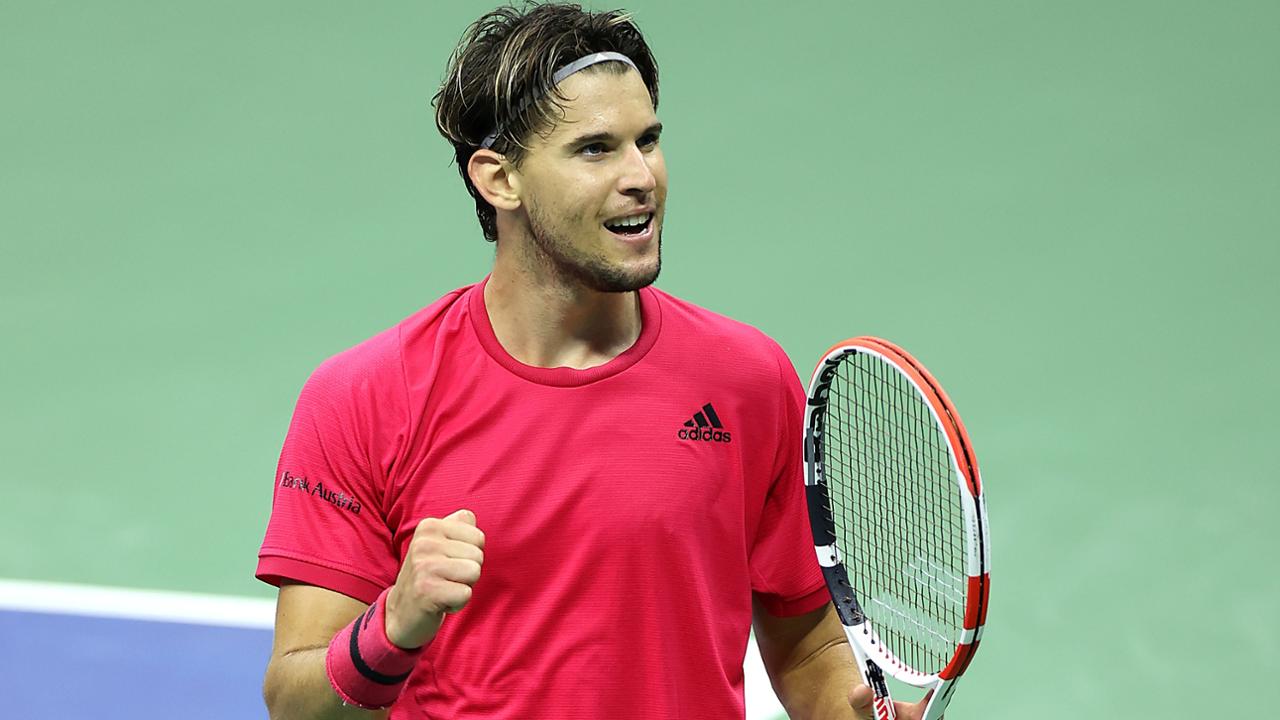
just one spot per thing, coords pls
(880, 702)
(884, 707)
(872, 676)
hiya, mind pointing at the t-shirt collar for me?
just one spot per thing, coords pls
(650, 325)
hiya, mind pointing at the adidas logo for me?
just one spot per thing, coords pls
(704, 426)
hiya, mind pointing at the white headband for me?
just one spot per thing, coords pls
(560, 75)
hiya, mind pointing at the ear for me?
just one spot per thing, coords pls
(495, 178)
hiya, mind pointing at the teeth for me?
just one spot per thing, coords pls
(630, 221)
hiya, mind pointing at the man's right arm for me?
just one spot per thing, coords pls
(442, 563)
(296, 686)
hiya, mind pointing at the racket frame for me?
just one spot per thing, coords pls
(872, 657)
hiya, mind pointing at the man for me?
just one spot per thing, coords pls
(559, 492)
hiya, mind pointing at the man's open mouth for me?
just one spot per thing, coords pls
(633, 225)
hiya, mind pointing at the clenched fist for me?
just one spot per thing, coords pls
(441, 565)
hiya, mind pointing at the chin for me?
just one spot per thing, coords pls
(619, 279)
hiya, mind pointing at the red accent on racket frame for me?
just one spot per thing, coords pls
(975, 611)
(964, 653)
(986, 599)
(944, 407)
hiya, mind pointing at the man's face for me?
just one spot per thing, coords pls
(594, 188)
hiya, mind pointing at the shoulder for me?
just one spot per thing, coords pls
(374, 369)
(713, 336)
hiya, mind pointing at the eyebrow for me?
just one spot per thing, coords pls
(654, 129)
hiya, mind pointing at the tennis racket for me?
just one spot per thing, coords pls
(898, 518)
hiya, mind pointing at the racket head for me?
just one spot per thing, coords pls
(888, 462)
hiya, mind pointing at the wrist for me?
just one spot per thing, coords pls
(364, 667)
(408, 636)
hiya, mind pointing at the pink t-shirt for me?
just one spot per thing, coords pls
(631, 511)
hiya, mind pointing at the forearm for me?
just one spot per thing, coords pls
(816, 687)
(297, 688)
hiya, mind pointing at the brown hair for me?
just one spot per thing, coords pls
(500, 78)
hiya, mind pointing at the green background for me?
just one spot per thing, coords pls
(1070, 211)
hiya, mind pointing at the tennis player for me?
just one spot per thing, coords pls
(559, 492)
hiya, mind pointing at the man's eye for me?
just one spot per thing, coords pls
(649, 140)
(593, 149)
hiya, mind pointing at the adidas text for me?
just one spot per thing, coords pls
(705, 434)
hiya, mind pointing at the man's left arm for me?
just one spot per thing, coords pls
(808, 660)
(812, 668)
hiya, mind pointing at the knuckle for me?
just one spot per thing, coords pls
(468, 572)
(432, 568)
(426, 580)
(453, 597)
(424, 588)
(421, 549)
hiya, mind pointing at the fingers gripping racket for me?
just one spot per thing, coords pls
(899, 522)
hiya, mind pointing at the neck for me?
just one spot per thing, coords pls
(545, 319)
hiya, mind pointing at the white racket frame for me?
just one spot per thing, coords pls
(863, 639)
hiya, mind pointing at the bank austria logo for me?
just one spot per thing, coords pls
(704, 426)
(317, 490)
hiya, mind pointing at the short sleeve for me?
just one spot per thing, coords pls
(784, 570)
(327, 526)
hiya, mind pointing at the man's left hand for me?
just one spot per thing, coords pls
(861, 697)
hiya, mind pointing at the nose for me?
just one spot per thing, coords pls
(637, 176)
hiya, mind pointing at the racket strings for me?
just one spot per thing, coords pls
(896, 505)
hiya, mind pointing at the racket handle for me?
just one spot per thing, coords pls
(884, 708)
(881, 702)
(872, 676)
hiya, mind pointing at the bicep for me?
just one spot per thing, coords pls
(296, 684)
(307, 617)
(808, 660)
(790, 643)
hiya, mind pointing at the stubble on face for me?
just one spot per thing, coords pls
(572, 265)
